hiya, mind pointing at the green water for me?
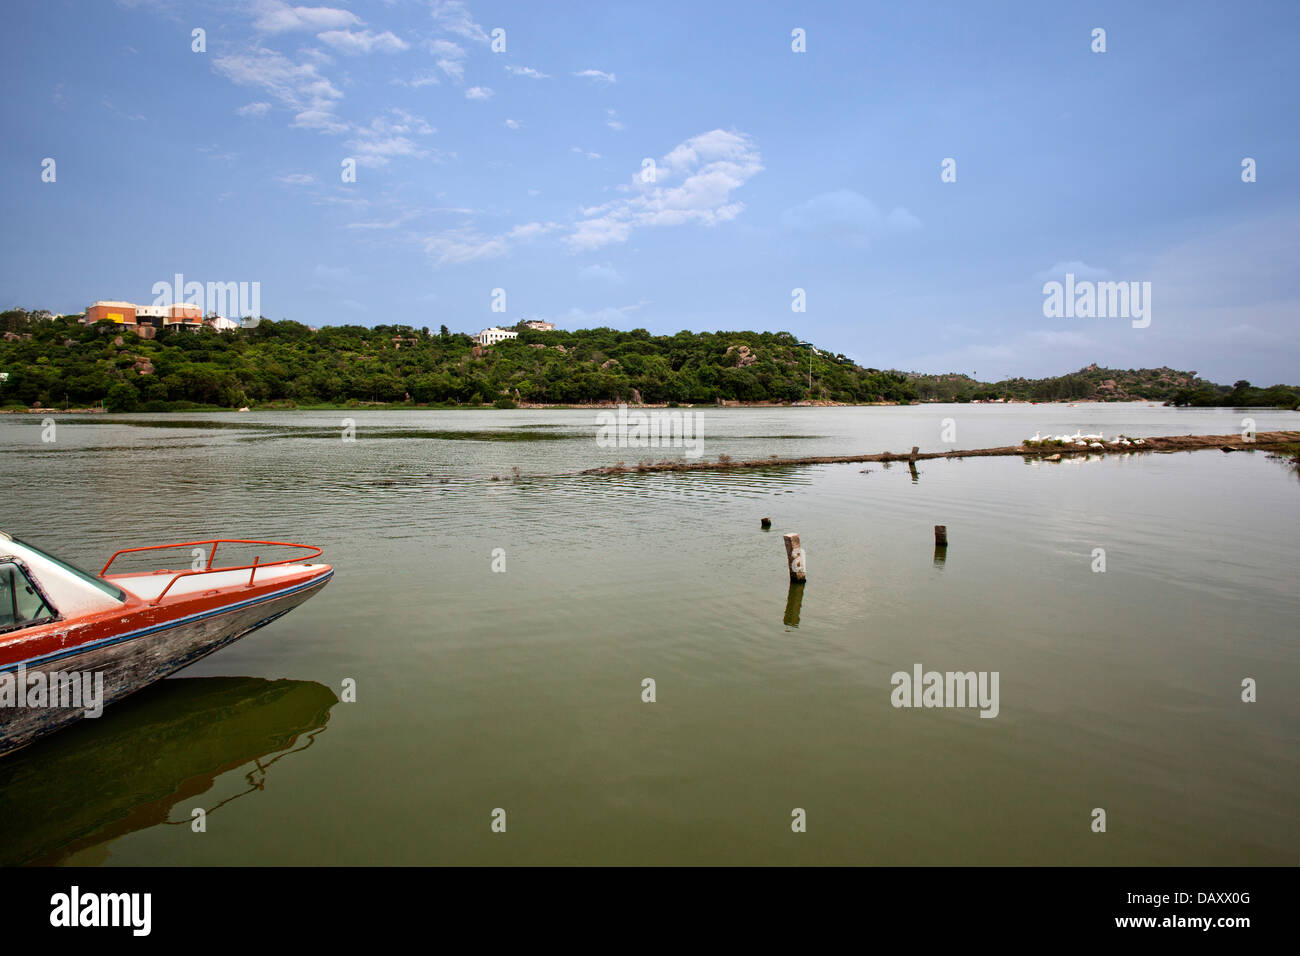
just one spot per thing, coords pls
(522, 689)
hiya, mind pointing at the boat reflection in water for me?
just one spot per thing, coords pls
(125, 771)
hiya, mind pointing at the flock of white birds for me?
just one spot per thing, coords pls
(1084, 441)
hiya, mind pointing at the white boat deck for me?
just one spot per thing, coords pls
(149, 586)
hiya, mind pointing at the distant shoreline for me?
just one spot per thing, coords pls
(593, 406)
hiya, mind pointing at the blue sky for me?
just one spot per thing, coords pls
(522, 170)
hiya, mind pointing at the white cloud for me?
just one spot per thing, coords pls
(423, 78)
(454, 17)
(450, 58)
(363, 41)
(299, 86)
(478, 93)
(388, 136)
(277, 17)
(253, 109)
(527, 71)
(298, 179)
(462, 246)
(322, 120)
(600, 76)
(513, 123)
(693, 183)
(393, 223)
(531, 230)
(613, 122)
(582, 152)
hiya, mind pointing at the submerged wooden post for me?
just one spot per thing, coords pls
(941, 536)
(794, 558)
(915, 451)
(765, 523)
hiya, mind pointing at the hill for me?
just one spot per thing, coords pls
(51, 360)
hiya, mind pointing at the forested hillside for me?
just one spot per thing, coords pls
(55, 360)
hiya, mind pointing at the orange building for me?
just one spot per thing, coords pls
(145, 319)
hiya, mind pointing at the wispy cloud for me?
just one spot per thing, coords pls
(134, 117)
(388, 136)
(274, 16)
(600, 76)
(478, 93)
(453, 16)
(527, 71)
(253, 109)
(450, 58)
(513, 123)
(613, 122)
(394, 223)
(299, 86)
(298, 179)
(421, 79)
(692, 183)
(356, 42)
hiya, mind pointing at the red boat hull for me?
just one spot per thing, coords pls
(130, 648)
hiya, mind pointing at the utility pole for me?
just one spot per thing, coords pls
(810, 352)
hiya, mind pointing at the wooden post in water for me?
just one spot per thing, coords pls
(794, 558)
(765, 523)
(940, 545)
(916, 449)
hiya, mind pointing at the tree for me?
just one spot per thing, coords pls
(122, 397)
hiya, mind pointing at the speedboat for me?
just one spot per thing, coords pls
(72, 642)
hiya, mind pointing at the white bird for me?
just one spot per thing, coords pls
(1096, 444)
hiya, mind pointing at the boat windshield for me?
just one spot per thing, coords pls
(116, 593)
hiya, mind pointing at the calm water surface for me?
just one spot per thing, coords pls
(522, 690)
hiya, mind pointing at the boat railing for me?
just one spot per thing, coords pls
(252, 569)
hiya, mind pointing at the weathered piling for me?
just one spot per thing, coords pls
(765, 523)
(941, 536)
(916, 450)
(794, 557)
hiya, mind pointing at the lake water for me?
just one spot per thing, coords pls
(522, 689)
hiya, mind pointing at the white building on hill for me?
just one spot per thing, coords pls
(494, 335)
